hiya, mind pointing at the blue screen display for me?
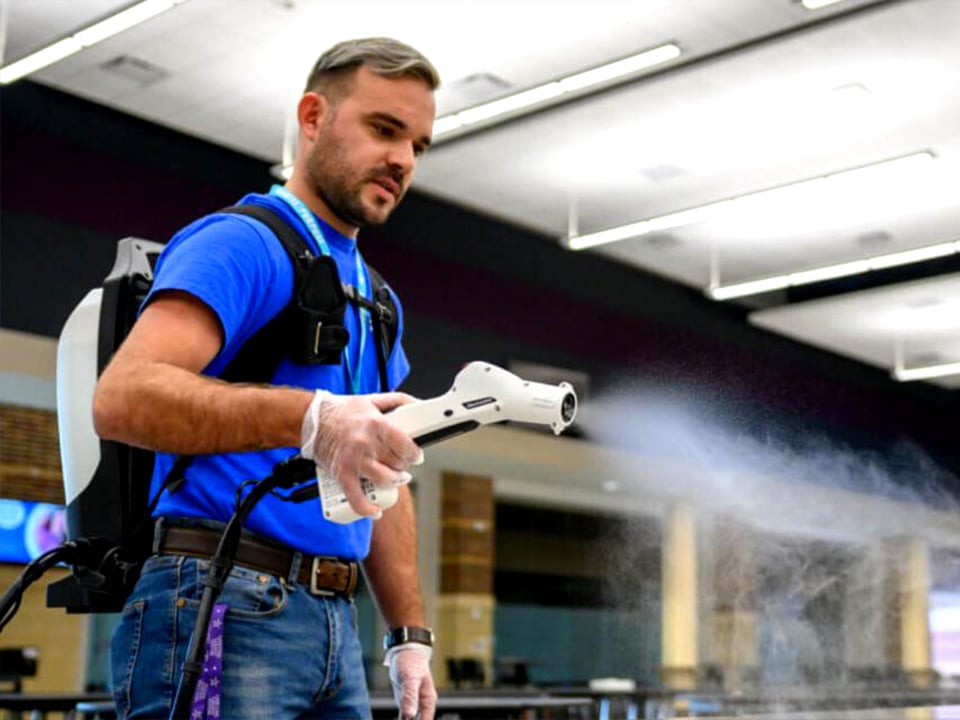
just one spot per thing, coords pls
(29, 529)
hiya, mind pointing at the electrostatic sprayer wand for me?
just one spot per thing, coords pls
(481, 394)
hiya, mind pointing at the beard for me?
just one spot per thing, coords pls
(340, 185)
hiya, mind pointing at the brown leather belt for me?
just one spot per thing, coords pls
(322, 575)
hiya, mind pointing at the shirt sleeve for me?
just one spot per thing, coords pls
(229, 264)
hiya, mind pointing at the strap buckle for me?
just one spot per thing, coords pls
(315, 574)
(337, 578)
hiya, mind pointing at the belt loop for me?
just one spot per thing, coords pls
(159, 530)
(294, 574)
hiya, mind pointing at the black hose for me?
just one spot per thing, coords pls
(10, 602)
(285, 474)
(93, 558)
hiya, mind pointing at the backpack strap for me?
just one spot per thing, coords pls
(387, 322)
(386, 309)
(310, 329)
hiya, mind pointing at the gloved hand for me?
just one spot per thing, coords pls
(413, 688)
(349, 437)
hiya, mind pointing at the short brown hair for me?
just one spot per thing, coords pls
(384, 56)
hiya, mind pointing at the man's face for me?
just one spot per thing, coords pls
(368, 145)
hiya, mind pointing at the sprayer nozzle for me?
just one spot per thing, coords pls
(569, 408)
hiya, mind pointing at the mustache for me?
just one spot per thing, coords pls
(387, 172)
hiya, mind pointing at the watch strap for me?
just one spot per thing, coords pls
(408, 634)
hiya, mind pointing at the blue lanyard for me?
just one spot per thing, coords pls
(310, 220)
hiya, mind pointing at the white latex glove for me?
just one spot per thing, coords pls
(349, 437)
(413, 688)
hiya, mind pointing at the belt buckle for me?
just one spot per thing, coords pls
(314, 572)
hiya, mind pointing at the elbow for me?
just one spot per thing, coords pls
(108, 413)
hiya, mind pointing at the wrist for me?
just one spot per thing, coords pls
(407, 634)
(310, 423)
(407, 650)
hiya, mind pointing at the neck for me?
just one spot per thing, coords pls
(312, 200)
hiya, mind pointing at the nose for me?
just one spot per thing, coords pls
(402, 157)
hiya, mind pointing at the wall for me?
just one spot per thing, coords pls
(30, 470)
(60, 639)
(30, 454)
(567, 580)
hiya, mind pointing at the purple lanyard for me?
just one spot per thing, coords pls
(206, 699)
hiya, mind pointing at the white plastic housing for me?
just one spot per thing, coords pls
(334, 500)
(76, 381)
(484, 393)
(481, 394)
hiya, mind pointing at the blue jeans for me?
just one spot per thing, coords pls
(286, 653)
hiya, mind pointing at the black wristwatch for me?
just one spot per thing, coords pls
(407, 634)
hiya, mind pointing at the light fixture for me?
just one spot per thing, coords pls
(817, 4)
(576, 83)
(749, 203)
(926, 372)
(117, 23)
(831, 272)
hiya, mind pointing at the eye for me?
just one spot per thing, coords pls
(419, 149)
(383, 130)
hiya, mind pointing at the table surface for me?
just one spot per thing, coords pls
(514, 700)
(489, 700)
(50, 702)
(473, 700)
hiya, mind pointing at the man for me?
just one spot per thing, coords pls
(289, 650)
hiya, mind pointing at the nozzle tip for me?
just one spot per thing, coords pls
(568, 409)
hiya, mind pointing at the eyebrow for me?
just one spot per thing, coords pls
(397, 123)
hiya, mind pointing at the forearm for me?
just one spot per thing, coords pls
(391, 566)
(163, 407)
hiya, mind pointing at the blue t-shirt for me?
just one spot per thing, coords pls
(236, 266)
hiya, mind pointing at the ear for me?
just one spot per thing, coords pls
(311, 110)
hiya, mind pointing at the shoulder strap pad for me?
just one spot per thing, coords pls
(310, 330)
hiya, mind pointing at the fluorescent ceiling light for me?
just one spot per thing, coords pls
(576, 83)
(927, 372)
(831, 272)
(540, 94)
(620, 68)
(644, 227)
(751, 287)
(508, 104)
(40, 59)
(123, 20)
(906, 257)
(750, 203)
(817, 4)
